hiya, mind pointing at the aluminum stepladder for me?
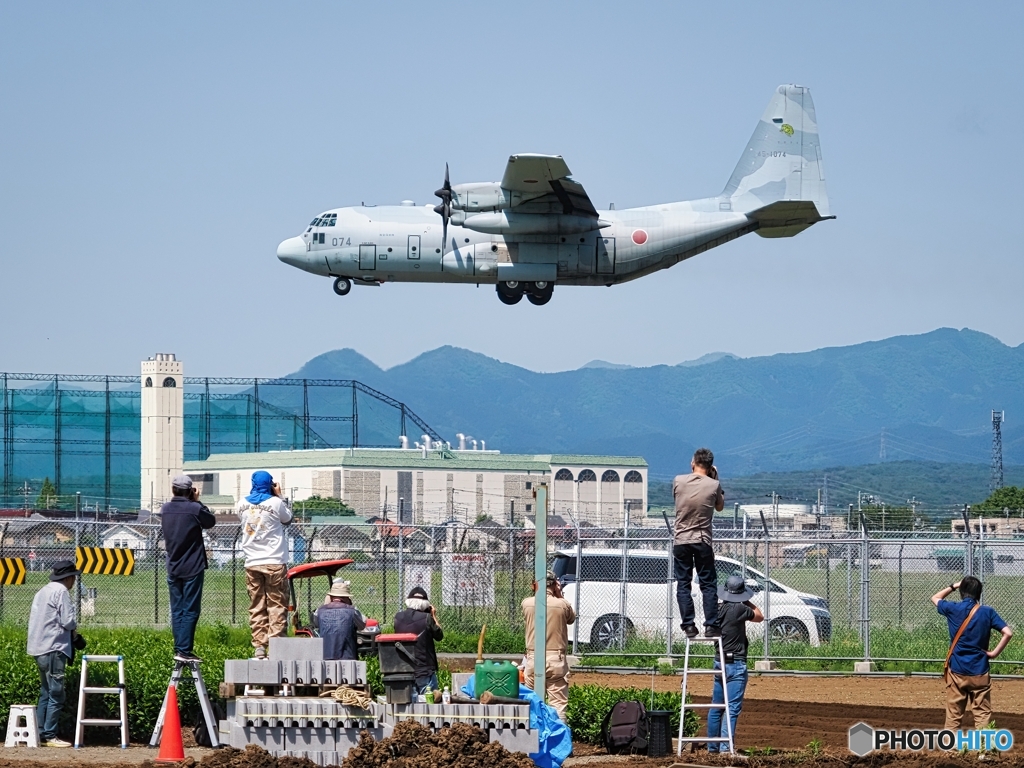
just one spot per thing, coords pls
(726, 720)
(212, 726)
(84, 688)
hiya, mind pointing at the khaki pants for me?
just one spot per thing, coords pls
(268, 602)
(556, 679)
(973, 692)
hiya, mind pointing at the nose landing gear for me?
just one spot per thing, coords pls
(342, 286)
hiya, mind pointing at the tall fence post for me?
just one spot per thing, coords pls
(579, 563)
(899, 585)
(156, 576)
(540, 571)
(968, 543)
(767, 592)
(234, 570)
(512, 576)
(401, 553)
(865, 581)
(3, 544)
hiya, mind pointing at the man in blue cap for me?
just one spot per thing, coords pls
(183, 520)
(264, 515)
(734, 612)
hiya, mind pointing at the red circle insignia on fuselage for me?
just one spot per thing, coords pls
(639, 236)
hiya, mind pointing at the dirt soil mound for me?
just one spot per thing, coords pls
(415, 746)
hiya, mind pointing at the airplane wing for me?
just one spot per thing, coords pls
(541, 184)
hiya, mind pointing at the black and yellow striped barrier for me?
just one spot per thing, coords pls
(104, 561)
(12, 571)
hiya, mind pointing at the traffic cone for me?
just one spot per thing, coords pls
(171, 748)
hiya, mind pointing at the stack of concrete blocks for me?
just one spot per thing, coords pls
(508, 724)
(320, 729)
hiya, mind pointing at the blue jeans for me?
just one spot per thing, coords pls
(51, 693)
(423, 683)
(736, 684)
(687, 557)
(186, 599)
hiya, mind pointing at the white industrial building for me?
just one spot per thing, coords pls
(427, 484)
(434, 486)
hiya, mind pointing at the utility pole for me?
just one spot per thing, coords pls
(26, 489)
(998, 417)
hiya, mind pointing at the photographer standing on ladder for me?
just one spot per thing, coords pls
(698, 496)
(183, 520)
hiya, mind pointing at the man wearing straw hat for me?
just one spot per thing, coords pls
(339, 621)
(734, 612)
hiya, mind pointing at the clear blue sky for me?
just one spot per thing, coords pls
(152, 156)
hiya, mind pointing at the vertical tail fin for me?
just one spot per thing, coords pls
(782, 160)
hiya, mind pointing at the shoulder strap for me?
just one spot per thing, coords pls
(956, 637)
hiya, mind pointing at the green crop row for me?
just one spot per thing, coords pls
(588, 705)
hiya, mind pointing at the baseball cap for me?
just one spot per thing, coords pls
(181, 481)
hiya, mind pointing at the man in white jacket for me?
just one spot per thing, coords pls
(264, 515)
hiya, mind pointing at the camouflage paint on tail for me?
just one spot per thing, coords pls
(782, 160)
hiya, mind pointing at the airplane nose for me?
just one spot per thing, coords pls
(293, 252)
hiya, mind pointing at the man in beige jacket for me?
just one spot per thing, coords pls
(556, 665)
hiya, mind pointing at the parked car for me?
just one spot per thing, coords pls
(644, 584)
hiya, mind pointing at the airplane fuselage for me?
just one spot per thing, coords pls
(377, 244)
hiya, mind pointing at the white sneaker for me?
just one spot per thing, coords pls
(59, 743)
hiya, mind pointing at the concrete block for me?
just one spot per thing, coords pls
(516, 739)
(236, 671)
(665, 660)
(765, 666)
(301, 648)
(864, 666)
(572, 661)
(264, 672)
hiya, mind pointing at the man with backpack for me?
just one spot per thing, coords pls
(967, 670)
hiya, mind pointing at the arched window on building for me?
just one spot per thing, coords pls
(633, 477)
(610, 476)
(149, 381)
(563, 474)
(587, 476)
(169, 382)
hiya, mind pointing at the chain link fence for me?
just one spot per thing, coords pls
(838, 595)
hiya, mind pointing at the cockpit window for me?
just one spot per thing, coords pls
(327, 220)
(333, 220)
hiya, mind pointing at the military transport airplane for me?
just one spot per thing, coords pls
(537, 226)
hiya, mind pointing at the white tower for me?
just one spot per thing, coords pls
(163, 450)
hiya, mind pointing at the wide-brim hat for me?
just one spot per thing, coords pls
(735, 590)
(340, 589)
(63, 569)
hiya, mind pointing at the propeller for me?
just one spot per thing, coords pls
(444, 208)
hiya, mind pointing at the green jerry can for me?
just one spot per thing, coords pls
(499, 677)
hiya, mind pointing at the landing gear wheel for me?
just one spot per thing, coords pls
(540, 293)
(342, 286)
(510, 292)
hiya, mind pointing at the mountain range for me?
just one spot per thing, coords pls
(924, 397)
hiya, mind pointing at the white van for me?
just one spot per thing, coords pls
(650, 599)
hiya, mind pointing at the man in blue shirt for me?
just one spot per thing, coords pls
(967, 675)
(183, 520)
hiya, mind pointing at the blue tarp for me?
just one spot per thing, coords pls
(553, 736)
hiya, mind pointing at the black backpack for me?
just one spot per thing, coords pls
(625, 728)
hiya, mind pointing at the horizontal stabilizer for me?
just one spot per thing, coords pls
(786, 218)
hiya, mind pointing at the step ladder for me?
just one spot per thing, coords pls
(212, 726)
(726, 720)
(84, 688)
